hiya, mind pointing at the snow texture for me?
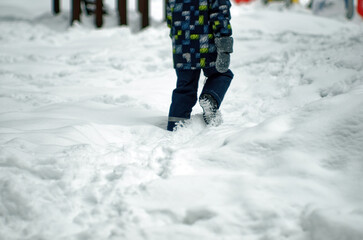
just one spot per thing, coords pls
(84, 153)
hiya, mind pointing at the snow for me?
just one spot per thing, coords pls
(84, 153)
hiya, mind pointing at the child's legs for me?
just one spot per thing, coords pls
(184, 96)
(217, 83)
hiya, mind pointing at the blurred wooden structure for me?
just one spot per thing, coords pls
(143, 7)
(288, 3)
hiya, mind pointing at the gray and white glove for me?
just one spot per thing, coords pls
(224, 47)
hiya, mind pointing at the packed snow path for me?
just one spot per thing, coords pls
(84, 153)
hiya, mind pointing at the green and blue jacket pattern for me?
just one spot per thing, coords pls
(194, 24)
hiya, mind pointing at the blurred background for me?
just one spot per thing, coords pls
(43, 10)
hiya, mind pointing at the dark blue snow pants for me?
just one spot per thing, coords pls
(185, 94)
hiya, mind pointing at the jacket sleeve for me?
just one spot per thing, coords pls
(168, 14)
(220, 17)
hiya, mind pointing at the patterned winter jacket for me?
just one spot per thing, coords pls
(194, 24)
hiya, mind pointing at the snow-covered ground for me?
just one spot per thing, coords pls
(84, 153)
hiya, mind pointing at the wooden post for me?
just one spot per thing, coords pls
(76, 10)
(56, 8)
(122, 11)
(139, 5)
(144, 7)
(99, 13)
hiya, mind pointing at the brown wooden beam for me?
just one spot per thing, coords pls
(122, 11)
(139, 5)
(56, 6)
(144, 7)
(76, 10)
(99, 13)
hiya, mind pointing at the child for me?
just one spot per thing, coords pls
(201, 37)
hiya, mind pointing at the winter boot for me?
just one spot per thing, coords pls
(211, 114)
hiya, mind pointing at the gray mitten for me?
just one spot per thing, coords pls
(224, 47)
